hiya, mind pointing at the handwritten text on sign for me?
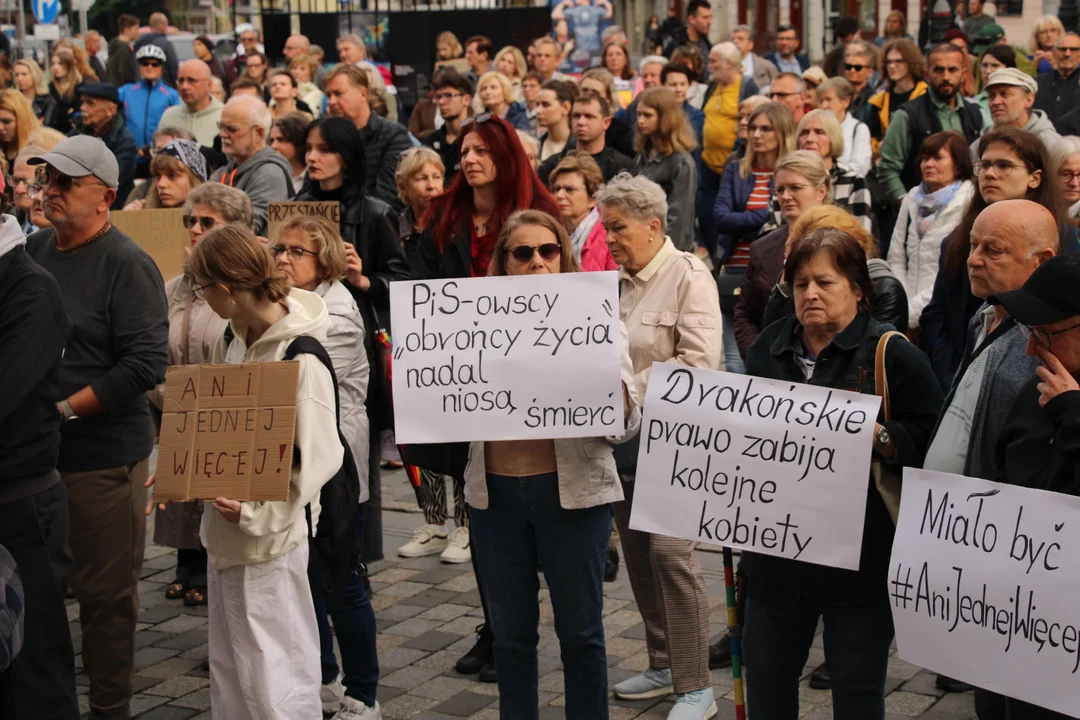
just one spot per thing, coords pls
(227, 431)
(506, 358)
(983, 585)
(774, 467)
(280, 213)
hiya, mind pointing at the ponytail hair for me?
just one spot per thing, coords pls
(232, 256)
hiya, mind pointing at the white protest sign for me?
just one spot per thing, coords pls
(507, 358)
(983, 584)
(779, 468)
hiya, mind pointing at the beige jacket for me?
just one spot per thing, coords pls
(672, 312)
(586, 467)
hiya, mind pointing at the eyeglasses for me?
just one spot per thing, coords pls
(854, 67)
(525, 253)
(1067, 49)
(150, 63)
(440, 97)
(556, 189)
(1043, 338)
(780, 95)
(295, 253)
(1068, 177)
(206, 223)
(199, 291)
(794, 189)
(1001, 167)
(231, 129)
(477, 119)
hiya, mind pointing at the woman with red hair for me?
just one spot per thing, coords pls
(462, 226)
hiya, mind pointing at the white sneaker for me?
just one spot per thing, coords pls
(457, 547)
(331, 696)
(426, 540)
(353, 709)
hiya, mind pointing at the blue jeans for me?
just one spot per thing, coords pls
(776, 646)
(708, 187)
(523, 524)
(354, 623)
(733, 361)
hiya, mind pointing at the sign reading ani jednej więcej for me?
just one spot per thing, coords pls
(775, 467)
(983, 584)
(507, 358)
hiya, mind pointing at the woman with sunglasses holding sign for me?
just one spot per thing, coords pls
(194, 330)
(337, 171)
(462, 226)
(546, 501)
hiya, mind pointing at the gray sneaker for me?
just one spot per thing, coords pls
(353, 709)
(696, 705)
(649, 684)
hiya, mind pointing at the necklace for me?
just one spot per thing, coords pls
(104, 229)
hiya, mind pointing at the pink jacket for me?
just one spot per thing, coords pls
(595, 255)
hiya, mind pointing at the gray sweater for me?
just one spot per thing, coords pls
(115, 298)
(677, 175)
(266, 177)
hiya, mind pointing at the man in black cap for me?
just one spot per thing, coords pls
(1040, 445)
(101, 118)
(115, 298)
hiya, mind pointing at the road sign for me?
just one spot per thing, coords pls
(46, 11)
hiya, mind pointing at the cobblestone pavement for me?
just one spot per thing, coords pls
(426, 614)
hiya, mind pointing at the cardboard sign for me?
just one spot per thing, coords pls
(280, 213)
(983, 584)
(778, 468)
(161, 233)
(507, 358)
(227, 431)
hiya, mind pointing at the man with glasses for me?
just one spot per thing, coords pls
(453, 97)
(942, 108)
(253, 167)
(115, 299)
(22, 178)
(754, 67)
(1010, 94)
(249, 43)
(347, 87)
(786, 58)
(1059, 89)
(199, 112)
(159, 36)
(859, 68)
(101, 118)
(145, 101)
(789, 90)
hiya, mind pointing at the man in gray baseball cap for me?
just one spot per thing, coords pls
(115, 299)
(1011, 95)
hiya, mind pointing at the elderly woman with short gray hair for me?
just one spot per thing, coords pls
(669, 303)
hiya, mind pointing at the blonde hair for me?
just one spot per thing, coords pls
(449, 38)
(328, 239)
(673, 133)
(808, 164)
(520, 66)
(26, 121)
(231, 256)
(1046, 21)
(413, 161)
(831, 216)
(567, 261)
(65, 86)
(166, 164)
(307, 62)
(45, 137)
(40, 86)
(604, 76)
(783, 125)
(504, 83)
(829, 124)
(579, 161)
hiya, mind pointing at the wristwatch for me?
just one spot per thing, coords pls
(66, 411)
(882, 438)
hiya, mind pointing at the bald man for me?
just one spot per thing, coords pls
(199, 111)
(159, 35)
(296, 45)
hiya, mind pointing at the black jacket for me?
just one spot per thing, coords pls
(448, 153)
(1040, 446)
(924, 122)
(1056, 95)
(384, 142)
(122, 144)
(889, 305)
(762, 271)
(34, 329)
(45, 109)
(121, 65)
(610, 160)
(847, 363)
(65, 111)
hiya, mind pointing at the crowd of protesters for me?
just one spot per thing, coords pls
(765, 216)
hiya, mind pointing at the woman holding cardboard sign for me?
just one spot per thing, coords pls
(832, 341)
(264, 640)
(669, 302)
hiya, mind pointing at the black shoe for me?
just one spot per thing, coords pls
(948, 684)
(611, 565)
(480, 655)
(820, 678)
(720, 653)
(487, 673)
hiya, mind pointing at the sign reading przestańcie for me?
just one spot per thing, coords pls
(279, 213)
(983, 583)
(774, 467)
(227, 431)
(507, 358)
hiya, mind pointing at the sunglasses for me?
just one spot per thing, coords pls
(477, 119)
(525, 253)
(206, 223)
(150, 63)
(855, 68)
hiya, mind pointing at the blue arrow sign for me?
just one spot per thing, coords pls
(46, 11)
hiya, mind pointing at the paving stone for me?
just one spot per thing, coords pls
(160, 613)
(442, 688)
(432, 641)
(445, 612)
(168, 712)
(393, 575)
(152, 656)
(956, 704)
(140, 702)
(169, 668)
(924, 684)
(413, 627)
(408, 677)
(198, 700)
(637, 632)
(179, 686)
(385, 693)
(186, 640)
(902, 669)
(384, 642)
(439, 575)
(399, 657)
(180, 624)
(404, 589)
(472, 597)
(907, 704)
(462, 583)
(463, 704)
(144, 638)
(405, 706)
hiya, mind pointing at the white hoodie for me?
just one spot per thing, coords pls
(270, 529)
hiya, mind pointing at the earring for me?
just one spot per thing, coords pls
(650, 239)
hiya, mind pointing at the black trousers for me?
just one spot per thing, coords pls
(40, 684)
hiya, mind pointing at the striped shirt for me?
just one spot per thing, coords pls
(758, 200)
(848, 191)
